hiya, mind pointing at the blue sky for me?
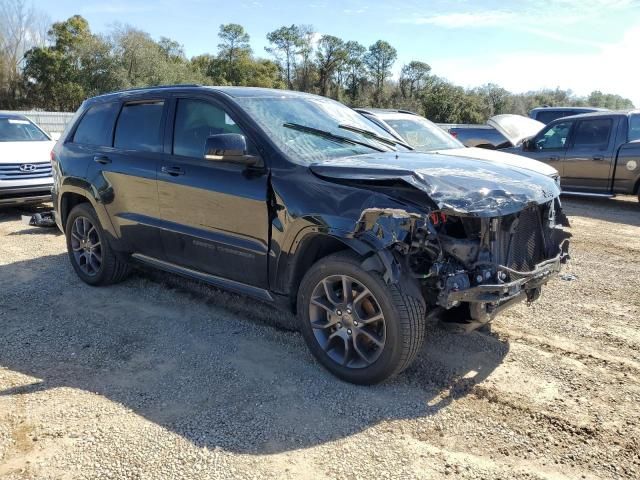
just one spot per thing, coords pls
(579, 44)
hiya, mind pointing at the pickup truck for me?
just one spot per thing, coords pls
(596, 153)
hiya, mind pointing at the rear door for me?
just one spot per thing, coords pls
(589, 160)
(215, 214)
(125, 173)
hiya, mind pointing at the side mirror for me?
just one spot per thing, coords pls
(529, 145)
(228, 147)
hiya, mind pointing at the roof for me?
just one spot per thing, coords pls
(570, 109)
(602, 113)
(235, 92)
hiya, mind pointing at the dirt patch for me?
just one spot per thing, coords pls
(160, 377)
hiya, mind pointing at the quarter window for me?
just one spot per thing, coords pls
(139, 127)
(593, 133)
(96, 126)
(196, 120)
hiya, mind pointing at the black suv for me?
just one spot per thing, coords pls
(297, 199)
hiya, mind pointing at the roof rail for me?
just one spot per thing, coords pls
(153, 87)
(407, 111)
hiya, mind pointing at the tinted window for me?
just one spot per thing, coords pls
(96, 126)
(634, 127)
(593, 132)
(139, 127)
(20, 130)
(196, 120)
(550, 116)
(555, 137)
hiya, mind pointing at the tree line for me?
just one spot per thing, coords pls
(56, 67)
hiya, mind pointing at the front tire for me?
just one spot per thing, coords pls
(89, 251)
(360, 328)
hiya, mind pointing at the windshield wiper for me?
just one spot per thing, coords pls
(374, 135)
(330, 136)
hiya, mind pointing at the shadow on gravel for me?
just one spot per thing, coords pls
(217, 369)
(624, 210)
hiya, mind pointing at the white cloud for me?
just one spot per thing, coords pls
(540, 14)
(460, 20)
(610, 68)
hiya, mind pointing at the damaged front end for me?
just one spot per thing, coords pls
(470, 268)
(474, 236)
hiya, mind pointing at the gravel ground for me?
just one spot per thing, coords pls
(160, 377)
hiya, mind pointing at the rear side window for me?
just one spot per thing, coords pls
(139, 127)
(634, 127)
(96, 126)
(593, 133)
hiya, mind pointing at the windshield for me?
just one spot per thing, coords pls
(20, 130)
(311, 129)
(421, 134)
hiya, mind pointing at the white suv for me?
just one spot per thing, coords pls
(25, 166)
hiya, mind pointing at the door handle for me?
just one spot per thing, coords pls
(554, 158)
(102, 159)
(173, 171)
(598, 157)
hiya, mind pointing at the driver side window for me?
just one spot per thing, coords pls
(554, 138)
(196, 120)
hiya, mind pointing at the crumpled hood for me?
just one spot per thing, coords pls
(457, 185)
(515, 128)
(503, 158)
(25, 152)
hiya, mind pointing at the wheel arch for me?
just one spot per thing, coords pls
(312, 247)
(68, 200)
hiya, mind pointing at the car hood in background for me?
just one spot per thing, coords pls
(502, 158)
(515, 128)
(457, 185)
(26, 152)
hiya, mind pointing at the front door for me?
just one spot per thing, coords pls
(550, 145)
(215, 214)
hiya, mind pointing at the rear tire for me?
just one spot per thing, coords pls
(366, 335)
(91, 256)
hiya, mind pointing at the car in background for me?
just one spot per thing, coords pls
(25, 166)
(425, 136)
(548, 114)
(475, 135)
(596, 153)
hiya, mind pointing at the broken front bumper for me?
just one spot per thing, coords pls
(501, 293)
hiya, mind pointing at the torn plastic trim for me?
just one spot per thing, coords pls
(44, 219)
(505, 291)
(385, 228)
